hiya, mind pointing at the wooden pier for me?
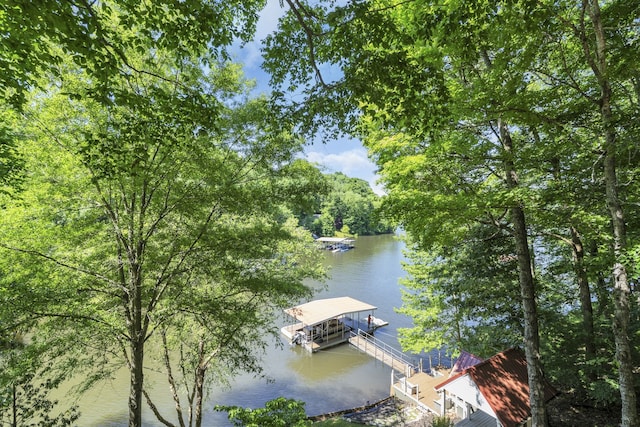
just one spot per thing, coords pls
(383, 352)
(407, 378)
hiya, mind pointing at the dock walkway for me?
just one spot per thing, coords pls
(383, 352)
(407, 378)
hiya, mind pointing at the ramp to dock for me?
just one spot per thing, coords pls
(383, 352)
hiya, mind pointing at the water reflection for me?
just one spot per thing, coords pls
(325, 365)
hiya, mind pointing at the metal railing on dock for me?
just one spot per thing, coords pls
(383, 352)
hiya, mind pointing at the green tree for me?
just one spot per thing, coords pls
(139, 220)
(352, 203)
(303, 186)
(25, 383)
(280, 412)
(10, 162)
(443, 288)
(596, 51)
(102, 36)
(414, 94)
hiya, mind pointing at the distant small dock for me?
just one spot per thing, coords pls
(336, 244)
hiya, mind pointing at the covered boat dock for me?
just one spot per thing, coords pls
(336, 244)
(327, 322)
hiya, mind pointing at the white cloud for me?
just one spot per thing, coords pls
(353, 163)
(268, 21)
(347, 162)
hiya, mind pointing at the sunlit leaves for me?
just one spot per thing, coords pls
(166, 204)
(102, 37)
(277, 412)
(425, 86)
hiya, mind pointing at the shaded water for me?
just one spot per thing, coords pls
(331, 380)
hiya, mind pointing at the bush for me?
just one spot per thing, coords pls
(442, 421)
(280, 412)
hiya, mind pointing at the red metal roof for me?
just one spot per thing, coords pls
(503, 381)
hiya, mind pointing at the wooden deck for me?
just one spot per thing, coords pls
(420, 388)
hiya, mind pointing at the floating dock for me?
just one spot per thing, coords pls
(328, 322)
(336, 244)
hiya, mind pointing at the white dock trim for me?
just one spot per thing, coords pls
(327, 322)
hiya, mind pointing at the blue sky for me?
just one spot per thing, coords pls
(344, 155)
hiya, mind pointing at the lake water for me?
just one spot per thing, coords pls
(331, 380)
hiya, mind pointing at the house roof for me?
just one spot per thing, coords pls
(478, 419)
(320, 310)
(464, 361)
(503, 382)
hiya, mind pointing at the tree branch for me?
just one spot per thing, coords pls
(61, 263)
(296, 7)
(155, 410)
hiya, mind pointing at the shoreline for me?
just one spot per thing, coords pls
(389, 411)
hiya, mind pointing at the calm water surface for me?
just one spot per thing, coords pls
(335, 379)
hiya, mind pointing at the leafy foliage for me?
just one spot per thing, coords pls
(104, 37)
(442, 293)
(442, 421)
(278, 412)
(473, 111)
(154, 215)
(10, 162)
(26, 380)
(350, 207)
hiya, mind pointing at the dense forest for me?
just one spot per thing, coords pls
(350, 207)
(152, 206)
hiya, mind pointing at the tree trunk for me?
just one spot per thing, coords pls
(531, 333)
(200, 374)
(137, 379)
(621, 296)
(585, 299)
(172, 383)
(14, 406)
(527, 291)
(622, 290)
(201, 371)
(137, 337)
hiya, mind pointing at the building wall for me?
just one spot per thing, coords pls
(463, 392)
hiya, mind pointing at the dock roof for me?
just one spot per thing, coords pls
(334, 239)
(318, 311)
